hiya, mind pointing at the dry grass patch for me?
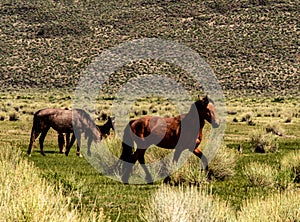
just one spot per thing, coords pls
(221, 167)
(261, 174)
(277, 207)
(25, 196)
(172, 204)
(291, 163)
(223, 164)
(263, 142)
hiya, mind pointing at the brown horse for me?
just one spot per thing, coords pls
(63, 121)
(104, 131)
(179, 133)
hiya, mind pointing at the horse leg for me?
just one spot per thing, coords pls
(127, 167)
(61, 142)
(68, 140)
(176, 156)
(70, 144)
(41, 140)
(140, 156)
(34, 134)
(89, 146)
(78, 146)
(197, 151)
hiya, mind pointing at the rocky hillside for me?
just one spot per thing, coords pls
(252, 45)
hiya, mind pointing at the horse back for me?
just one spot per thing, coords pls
(59, 119)
(163, 132)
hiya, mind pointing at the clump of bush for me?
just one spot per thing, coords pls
(13, 117)
(261, 174)
(278, 207)
(221, 167)
(170, 204)
(248, 119)
(190, 173)
(291, 163)
(263, 142)
(223, 164)
(275, 129)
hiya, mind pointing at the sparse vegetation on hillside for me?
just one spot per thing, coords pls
(250, 45)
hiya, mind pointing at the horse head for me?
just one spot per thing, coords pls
(111, 122)
(206, 109)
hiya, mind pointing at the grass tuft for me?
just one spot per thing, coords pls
(263, 142)
(192, 203)
(261, 174)
(25, 196)
(291, 163)
(277, 207)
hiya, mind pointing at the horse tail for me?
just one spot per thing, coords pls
(127, 144)
(35, 131)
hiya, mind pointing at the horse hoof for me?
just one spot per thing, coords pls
(79, 154)
(167, 180)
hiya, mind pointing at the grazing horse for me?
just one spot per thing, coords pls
(104, 130)
(63, 121)
(179, 133)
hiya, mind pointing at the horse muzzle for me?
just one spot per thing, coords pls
(215, 124)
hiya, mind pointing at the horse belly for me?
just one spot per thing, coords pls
(168, 143)
(63, 127)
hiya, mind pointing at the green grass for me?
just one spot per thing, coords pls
(126, 201)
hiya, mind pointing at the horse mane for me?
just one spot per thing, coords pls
(89, 123)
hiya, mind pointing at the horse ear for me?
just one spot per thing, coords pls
(206, 100)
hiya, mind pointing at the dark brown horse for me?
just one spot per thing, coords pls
(179, 133)
(104, 131)
(63, 121)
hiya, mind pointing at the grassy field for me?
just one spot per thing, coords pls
(126, 202)
(251, 46)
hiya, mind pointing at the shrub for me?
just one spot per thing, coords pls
(13, 117)
(223, 164)
(275, 129)
(221, 167)
(288, 120)
(261, 174)
(278, 207)
(291, 163)
(190, 173)
(192, 203)
(264, 143)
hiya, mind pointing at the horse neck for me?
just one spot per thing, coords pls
(105, 128)
(190, 118)
(88, 123)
